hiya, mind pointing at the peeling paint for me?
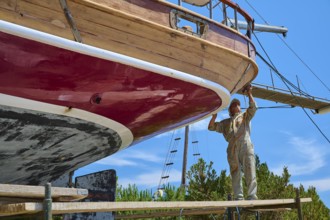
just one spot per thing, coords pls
(39, 147)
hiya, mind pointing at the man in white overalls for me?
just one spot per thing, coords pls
(240, 152)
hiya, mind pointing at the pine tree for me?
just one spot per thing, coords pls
(205, 184)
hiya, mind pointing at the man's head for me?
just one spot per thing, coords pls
(234, 107)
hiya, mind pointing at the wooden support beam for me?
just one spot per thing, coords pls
(285, 97)
(81, 207)
(183, 212)
(28, 193)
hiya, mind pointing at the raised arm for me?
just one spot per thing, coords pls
(252, 104)
(212, 122)
(249, 94)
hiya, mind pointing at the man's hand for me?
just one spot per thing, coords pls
(249, 90)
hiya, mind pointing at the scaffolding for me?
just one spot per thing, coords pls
(15, 201)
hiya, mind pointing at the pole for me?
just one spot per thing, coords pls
(48, 202)
(298, 204)
(230, 213)
(185, 153)
(211, 10)
(261, 27)
(224, 12)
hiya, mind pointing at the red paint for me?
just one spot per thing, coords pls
(145, 102)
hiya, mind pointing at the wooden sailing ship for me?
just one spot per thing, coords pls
(83, 79)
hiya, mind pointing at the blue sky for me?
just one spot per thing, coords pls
(282, 137)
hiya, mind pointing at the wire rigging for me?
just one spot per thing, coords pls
(286, 84)
(286, 81)
(272, 66)
(290, 48)
(303, 62)
(270, 107)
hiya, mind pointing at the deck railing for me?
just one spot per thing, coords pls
(225, 4)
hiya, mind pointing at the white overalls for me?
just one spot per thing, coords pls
(240, 152)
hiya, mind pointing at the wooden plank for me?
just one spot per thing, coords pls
(156, 35)
(279, 209)
(38, 192)
(183, 212)
(45, 22)
(80, 207)
(158, 12)
(222, 37)
(20, 209)
(8, 4)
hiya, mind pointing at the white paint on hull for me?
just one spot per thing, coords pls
(16, 102)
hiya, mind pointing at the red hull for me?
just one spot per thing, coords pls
(146, 102)
(64, 105)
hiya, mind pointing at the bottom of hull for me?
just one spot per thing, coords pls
(39, 147)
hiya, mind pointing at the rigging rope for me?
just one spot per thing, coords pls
(305, 64)
(288, 46)
(270, 107)
(172, 149)
(285, 80)
(286, 84)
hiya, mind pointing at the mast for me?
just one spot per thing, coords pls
(185, 153)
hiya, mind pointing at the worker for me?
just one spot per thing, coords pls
(240, 152)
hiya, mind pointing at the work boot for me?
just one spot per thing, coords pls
(252, 197)
(239, 198)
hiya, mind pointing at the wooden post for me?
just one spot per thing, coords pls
(70, 179)
(48, 202)
(298, 205)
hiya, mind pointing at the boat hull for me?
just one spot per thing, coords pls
(65, 104)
